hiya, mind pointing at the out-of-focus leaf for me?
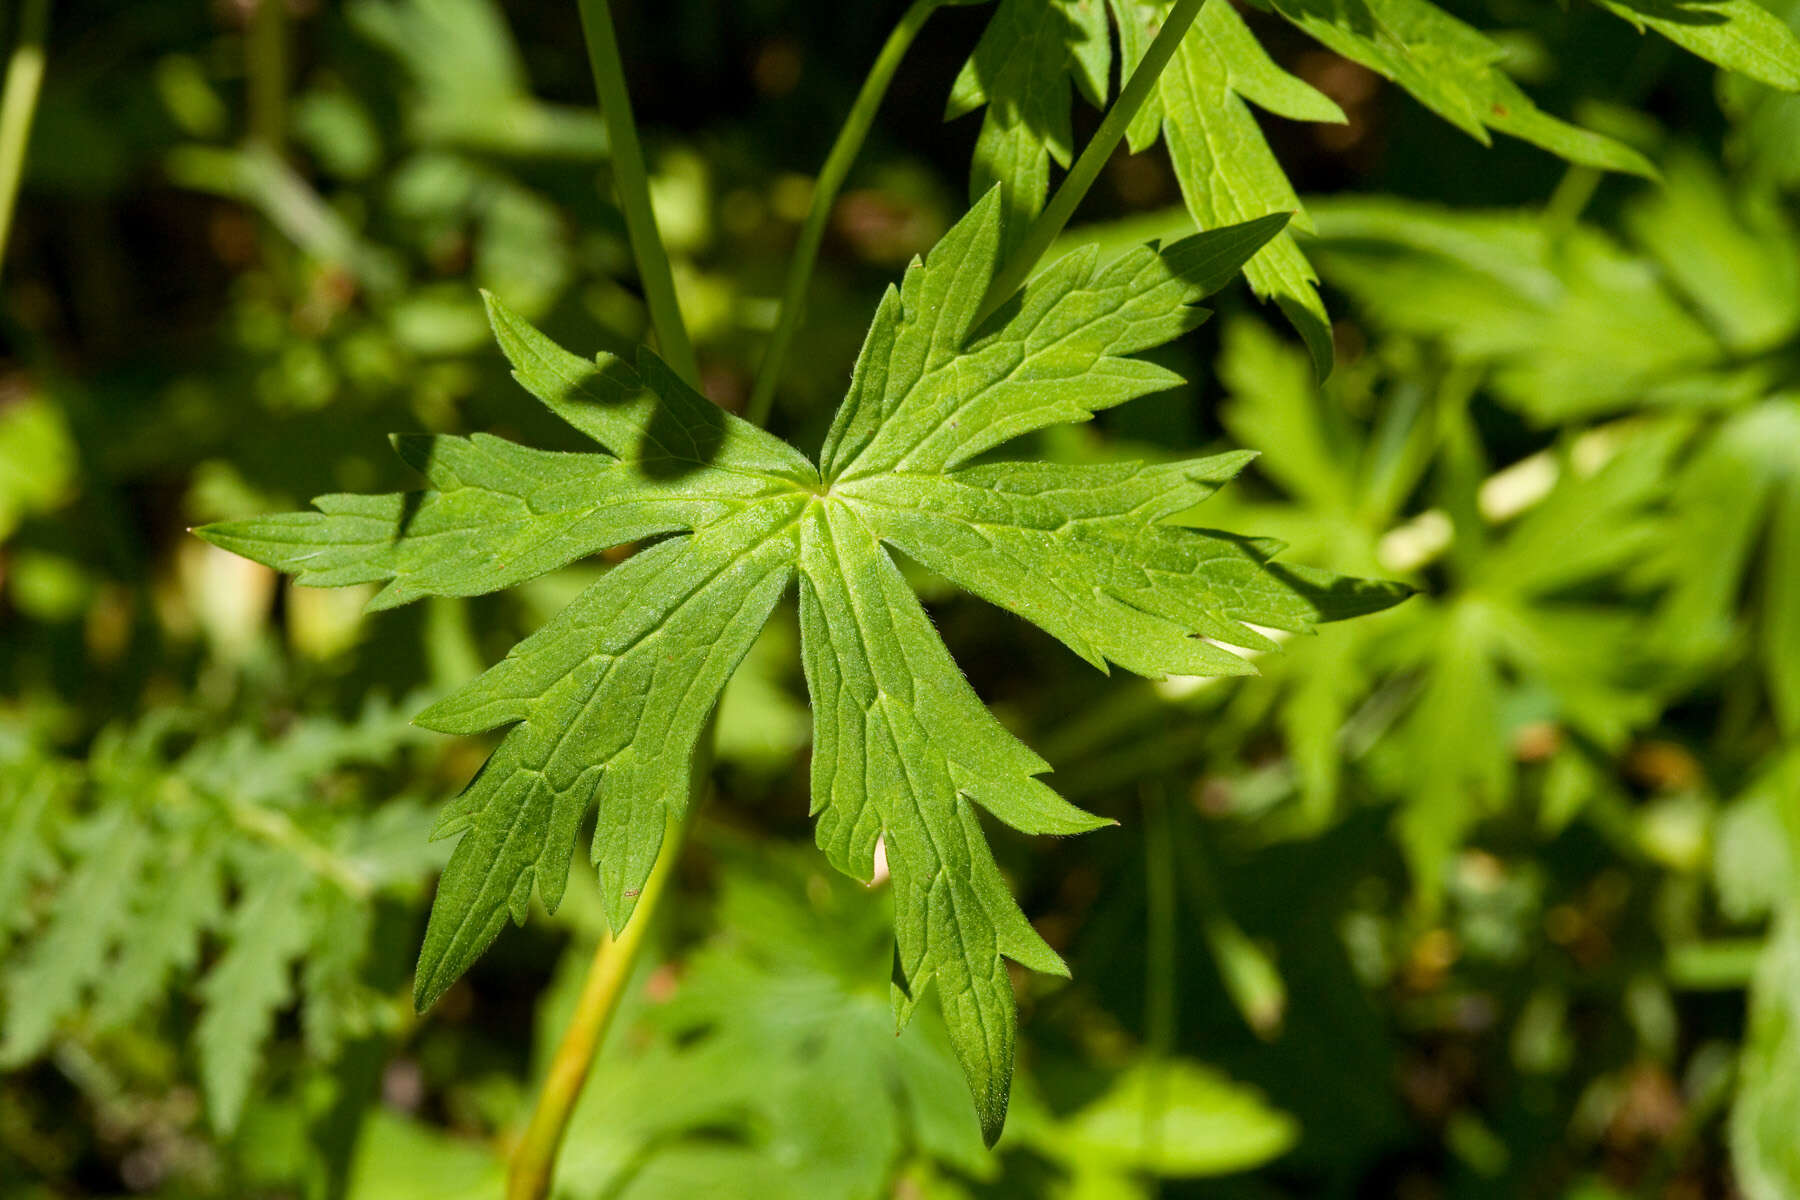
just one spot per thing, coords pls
(1571, 325)
(179, 898)
(1780, 625)
(1764, 1151)
(402, 1159)
(258, 177)
(1740, 489)
(1765, 135)
(37, 461)
(1754, 869)
(249, 984)
(1174, 1119)
(139, 872)
(472, 86)
(1517, 631)
(1276, 406)
(1736, 258)
(776, 1066)
(91, 916)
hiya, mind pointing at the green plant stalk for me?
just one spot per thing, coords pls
(1159, 955)
(632, 181)
(1462, 467)
(1051, 222)
(266, 65)
(18, 104)
(1159, 935)
(825, 190)
(1562, 212)
(534, 1159)
(1251, 978)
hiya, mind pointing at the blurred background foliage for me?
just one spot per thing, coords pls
(1491, 895)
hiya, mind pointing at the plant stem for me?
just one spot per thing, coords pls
(1159, 936)
(1050, 223)
(534, 1160)
(831, 180)
(1250, 977)
(632, 181)
(18, 104)
(1159, 957)
(266, 54)
(1562, 212)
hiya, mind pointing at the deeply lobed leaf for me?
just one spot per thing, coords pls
(901, 749)
(609, 699)
(607, 702)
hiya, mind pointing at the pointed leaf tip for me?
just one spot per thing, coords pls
(748, 517)
(1213, 258)
(428, 988)
(993, 1123)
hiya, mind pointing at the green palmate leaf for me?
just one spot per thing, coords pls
(903, 751)
(503, 513)
(607, 701)
(1022, 70)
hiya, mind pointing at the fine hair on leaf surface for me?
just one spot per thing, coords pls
(603, 706)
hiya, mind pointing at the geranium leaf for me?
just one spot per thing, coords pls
(605, 705)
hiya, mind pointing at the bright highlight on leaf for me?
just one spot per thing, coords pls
(605, 704)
